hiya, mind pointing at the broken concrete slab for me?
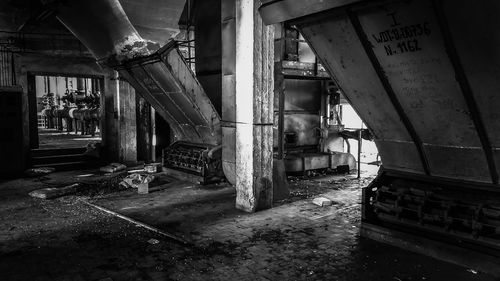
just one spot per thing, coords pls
(322, 201)
(54, 192)
(38, 172)
(113, 167)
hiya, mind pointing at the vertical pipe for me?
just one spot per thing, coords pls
(153, 134)
(360, 141)
(48, 84)
(281, 121)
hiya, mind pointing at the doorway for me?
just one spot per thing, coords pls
(65, 110)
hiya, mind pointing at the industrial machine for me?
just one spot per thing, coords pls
(169, 84)
(308, 111)
(200, 163)
(80, 112)
(83, 120)
(423, 75)
(455, 210)
(160, 75)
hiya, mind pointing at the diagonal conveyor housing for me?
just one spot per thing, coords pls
(160, 75)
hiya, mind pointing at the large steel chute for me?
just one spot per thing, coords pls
(424, 76)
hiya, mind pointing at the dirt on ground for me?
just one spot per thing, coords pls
(66, 239)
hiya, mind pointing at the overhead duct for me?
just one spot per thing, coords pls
(165, 80)
(160, 75)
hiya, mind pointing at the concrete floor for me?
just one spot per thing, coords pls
(65, 239)
(54, 139)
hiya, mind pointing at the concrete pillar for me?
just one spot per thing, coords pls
(109, 124)
(251, 107)
(144, 133)
(119, 129)
(228, 18)
(127, 132)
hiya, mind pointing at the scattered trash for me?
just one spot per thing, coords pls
(113, 168)
(143, 188)
(153, 241)
(134, 180)
(322, 201)
(472, 271)
(38, 172)
(84, 175)
(136, 171)
(54, 192)
(93, 150)
(153, 168)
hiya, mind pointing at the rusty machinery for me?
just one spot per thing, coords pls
(161, 76)
(201, 161)
(412, 71)
(168, 83)
(80, 112)
(308, 111)
(456, 210)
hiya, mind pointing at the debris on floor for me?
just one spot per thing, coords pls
(472, 271)
(113, 168)
(54, 192)
(134, 180)
(134, 171)
(198, 239)
(93, 149)
(153, 241)
(152, 168)
(322, 201)
(38, 172)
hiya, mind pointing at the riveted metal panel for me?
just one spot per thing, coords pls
(336, 43)
(408, 42)
(478, 21)
(411, 75)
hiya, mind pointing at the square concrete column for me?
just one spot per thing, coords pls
(127, 132)
(119, 128)
(109, 125)
(251, 108)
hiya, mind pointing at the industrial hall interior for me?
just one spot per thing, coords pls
(249, 140)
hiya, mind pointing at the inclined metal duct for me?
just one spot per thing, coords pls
(161, 76)
(166, 80)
